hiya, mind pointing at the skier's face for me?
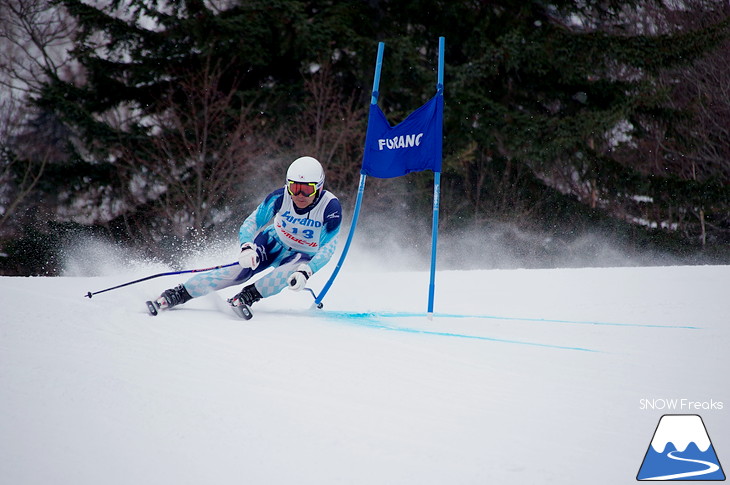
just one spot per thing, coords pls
(302, 193)
(302, 201)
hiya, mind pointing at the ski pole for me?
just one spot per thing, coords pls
(314, 295)
(90, 294)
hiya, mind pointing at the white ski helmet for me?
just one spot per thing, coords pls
(306, 169)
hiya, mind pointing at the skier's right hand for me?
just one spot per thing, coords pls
(249, 257)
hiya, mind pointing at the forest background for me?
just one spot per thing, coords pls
(158, 125)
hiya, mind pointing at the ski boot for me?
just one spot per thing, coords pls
(241, 303)
(168, 299)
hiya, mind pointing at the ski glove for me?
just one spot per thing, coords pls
(298, 279)
(249, 257)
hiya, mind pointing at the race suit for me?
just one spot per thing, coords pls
(295, 236)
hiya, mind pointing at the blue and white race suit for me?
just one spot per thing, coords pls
(295, 236)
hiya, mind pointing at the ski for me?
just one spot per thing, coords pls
(152, 307)
(239, 308)
(242, 310)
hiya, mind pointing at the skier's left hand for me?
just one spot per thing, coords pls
(298, 279)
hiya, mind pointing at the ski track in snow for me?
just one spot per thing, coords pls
(711, 468)
(517, 370)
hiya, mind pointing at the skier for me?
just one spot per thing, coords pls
(298, 242)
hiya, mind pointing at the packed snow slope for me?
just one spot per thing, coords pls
(522, 376)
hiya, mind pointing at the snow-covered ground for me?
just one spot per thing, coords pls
(523, 376)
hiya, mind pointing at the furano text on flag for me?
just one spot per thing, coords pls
(410, 146)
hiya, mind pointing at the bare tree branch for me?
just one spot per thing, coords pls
(198, 155)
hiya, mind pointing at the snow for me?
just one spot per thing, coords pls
(680, 431)
(522, 376)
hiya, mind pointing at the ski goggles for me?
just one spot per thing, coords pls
(307, 189)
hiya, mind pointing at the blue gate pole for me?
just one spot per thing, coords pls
(360, 190)
(436, 194)
(355, 215)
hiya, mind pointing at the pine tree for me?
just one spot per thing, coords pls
(544, 97)
(545, 102)
(184, 102)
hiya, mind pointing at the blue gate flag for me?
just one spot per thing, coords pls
(412, 145)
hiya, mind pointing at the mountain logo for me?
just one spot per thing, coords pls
(681, 450)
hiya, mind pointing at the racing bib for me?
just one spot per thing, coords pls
(301, 232)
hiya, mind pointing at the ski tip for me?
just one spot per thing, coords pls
(242, 310)
(151, 308)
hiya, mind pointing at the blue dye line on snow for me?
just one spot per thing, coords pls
(371, 320)
(376, 315)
